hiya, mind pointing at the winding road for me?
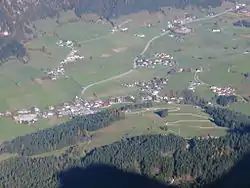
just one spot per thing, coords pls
(196, 78)
(146, 48)
(174, 109)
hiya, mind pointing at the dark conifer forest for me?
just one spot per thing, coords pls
(197, 162)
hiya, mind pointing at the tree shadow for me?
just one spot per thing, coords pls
(99, 176)
(237, 176)
(103, 176)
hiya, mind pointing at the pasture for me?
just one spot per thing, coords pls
(223, 55)
(107, 55)
(22, 84)
(182, 120)
(10, 129)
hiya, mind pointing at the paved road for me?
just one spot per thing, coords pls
(146, 48)
(103, 81)
(209, 17)
(196, 78)
(152, 40)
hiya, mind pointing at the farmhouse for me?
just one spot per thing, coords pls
(124, 29)
(140, 35)
(216, 30)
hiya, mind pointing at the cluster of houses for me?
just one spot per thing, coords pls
(159, 59)
(241, 8)
(4, 34)
(193, 84)
(228, 91)
(178, 25)
(77, 107)
(67, 43)
(121, 29)
(159, 98)
(152, 87)
(72, 57)
(151, 91)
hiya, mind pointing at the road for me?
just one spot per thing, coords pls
(152, 40)
(146, 48)
(196, 78)
(175, 109)
(209, 17)
(103, 81)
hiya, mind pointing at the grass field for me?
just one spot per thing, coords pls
(10, 129)
(150, 123)
(201, 48)
(191, 122)
(241, 107)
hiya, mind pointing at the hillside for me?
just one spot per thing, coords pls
(163, 158)
(196, 162)
(17, 16)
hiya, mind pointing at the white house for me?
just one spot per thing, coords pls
(216, 30)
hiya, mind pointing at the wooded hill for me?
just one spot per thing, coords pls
(62, 135)
(191, 163)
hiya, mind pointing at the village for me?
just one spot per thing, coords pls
(159, 59)
(72, 57)
(149, 90)
(79, 106)
(228, 91)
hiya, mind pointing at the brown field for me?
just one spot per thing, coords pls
(245, 36)
(39, 81)
(244, 90)
(117, 50)
(105, 55)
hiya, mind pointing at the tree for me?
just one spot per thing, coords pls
(162, 113)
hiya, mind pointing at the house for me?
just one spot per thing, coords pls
(216, 30)
(124, 29)
(26, 118)
(4, 34)
(140, 35)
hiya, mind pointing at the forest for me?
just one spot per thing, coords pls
(190, 163)
(62, 135)
(115, 8)
(66, 134)
(10, 48)
(225, 100)
(136, 106)
(224, 117)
